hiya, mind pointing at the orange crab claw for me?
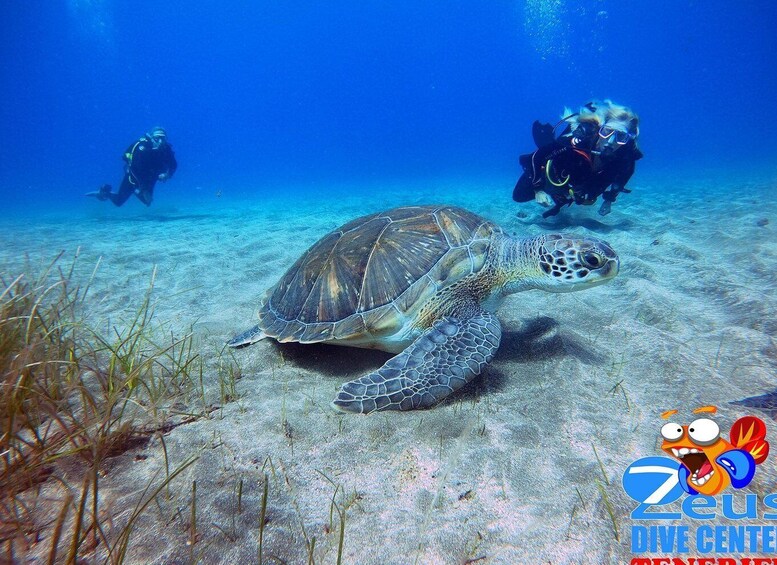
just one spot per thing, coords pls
(759, 450)
(748, 434)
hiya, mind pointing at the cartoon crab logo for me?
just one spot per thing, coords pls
(709, 463)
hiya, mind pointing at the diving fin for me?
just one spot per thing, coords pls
(101, 194)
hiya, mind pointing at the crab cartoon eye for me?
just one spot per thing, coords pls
(671, 431)
(704, 431)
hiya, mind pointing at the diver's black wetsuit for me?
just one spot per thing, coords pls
(144, 165)
(579, 176)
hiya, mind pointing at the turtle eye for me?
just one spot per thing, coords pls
(671, 431)
(591, 259)
(704, 431)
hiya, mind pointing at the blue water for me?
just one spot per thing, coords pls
(300, 96)
(288, 118)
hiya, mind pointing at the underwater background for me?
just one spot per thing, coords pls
(299, 96)
(289, 119)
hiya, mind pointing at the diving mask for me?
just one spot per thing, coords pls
(619, 136)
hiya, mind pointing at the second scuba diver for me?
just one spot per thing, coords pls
(147, 160)
(596, 150)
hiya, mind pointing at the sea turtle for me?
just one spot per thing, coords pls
(423, 282)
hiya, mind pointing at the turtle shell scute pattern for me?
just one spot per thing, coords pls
(361, 278)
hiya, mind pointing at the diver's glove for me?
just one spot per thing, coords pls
(543, 198)
(605, 208)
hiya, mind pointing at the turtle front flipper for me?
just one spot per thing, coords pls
(247, 337)
(443, 359)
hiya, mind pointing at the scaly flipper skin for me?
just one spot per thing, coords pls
(247, 337)
(443, 359)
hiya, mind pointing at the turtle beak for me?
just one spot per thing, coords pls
(611, 268)
(612, 265)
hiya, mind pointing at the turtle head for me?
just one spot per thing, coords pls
(562, 263)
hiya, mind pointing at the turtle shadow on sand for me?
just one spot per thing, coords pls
(541, 339)
(351, 362)
(333, 360)
(538, 339)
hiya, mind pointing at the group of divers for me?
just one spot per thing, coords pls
(587, 154)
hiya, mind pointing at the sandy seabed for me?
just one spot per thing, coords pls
(523, 466)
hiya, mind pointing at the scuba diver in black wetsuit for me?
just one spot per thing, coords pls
(596, 150)
(148, 160)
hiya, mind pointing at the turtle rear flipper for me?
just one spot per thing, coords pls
(247, 337)
(443, 359)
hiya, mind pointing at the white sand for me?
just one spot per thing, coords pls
(504, 471)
